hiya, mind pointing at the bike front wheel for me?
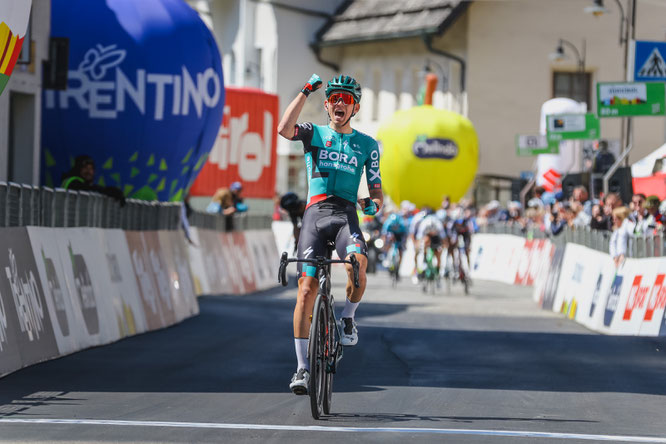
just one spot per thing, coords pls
(316, 351)
(330, 355)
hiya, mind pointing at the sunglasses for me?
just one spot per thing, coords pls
(346, 98)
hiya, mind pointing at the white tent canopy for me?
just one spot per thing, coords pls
(643, 167)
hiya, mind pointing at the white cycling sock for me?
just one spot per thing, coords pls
(350, 309)
(301, 346)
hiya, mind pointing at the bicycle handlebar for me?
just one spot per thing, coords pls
(319, 262)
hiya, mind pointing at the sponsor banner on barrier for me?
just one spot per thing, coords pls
(261, 258)
(86, 272)
(284, 236)
(576, 280)
(217, 272)
(160, 275)
(147, 287)
(66, 324)
(244, 261)
(197, 263)
(233, 266)
(535, 257)
(174, 257)
(26, 330)
(123, 287)
(273, 256)
(638, 305)
(496, 257)
(600, 274)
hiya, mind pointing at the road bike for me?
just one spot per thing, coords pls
(459, 262)
(324, 348)
(430, 275)
(394, 263)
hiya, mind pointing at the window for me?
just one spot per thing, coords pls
(574, 85)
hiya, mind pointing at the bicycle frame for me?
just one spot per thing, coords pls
(328, 350)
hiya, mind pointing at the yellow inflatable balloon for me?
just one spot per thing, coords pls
(427, 153)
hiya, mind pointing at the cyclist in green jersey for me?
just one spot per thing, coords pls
(335, 157)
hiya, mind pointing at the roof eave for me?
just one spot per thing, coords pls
(378, 38)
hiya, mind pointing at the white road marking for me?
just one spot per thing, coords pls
(296, 428)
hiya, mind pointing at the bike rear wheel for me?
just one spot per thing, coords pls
(316, 353)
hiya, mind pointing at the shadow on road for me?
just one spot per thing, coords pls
(243, 345)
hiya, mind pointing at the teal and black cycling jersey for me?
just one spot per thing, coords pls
(335, 161)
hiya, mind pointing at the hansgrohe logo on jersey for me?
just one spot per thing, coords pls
(338, 161)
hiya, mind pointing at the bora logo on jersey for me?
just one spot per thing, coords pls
(339, 161)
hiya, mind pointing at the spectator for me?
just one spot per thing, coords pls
(604, 159)
(236, 189)
(581, 196)
(222, 203)
(563, 216)
(654, 219)
(581, 218)
(81, 178)
(538, 193)
(611, 202)
(619, 240)
(598, 221)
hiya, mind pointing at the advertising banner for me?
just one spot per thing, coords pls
(177, 269)
(86, 275)
(649, 65)
(197, 263)
(68, 325)
(235, 274)
(264, 270)
(148, 291)
(630, 99)
(158, 269)
(571, 126)
(217, 273)
(246, 146)
(26, 327)
(144, 98)
(123, 288)
(531, 145)
(244, 261)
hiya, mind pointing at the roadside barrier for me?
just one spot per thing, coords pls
(579, 282)
(77, 270)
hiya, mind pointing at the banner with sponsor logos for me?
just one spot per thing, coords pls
(144, 97)
(246, 146)
(63, 289)
(580, 283)
(123, 288)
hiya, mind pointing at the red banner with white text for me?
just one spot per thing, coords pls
(246, 146)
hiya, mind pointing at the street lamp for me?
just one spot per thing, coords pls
(559, 54)
(598, 9)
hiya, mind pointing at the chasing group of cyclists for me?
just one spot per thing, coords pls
(443, 230)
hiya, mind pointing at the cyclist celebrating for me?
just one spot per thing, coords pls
(335, 156)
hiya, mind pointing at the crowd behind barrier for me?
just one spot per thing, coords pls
(79, 269)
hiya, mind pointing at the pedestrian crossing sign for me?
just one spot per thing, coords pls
(649, 61)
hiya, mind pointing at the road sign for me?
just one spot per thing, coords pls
(571, 126)
(631, 99)
(649, 64)
(531, 145)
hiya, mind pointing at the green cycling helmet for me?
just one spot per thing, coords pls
(344, 83)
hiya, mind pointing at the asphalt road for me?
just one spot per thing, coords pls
(489, 367)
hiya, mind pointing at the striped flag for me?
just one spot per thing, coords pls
(14, 17)
(552, 180)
